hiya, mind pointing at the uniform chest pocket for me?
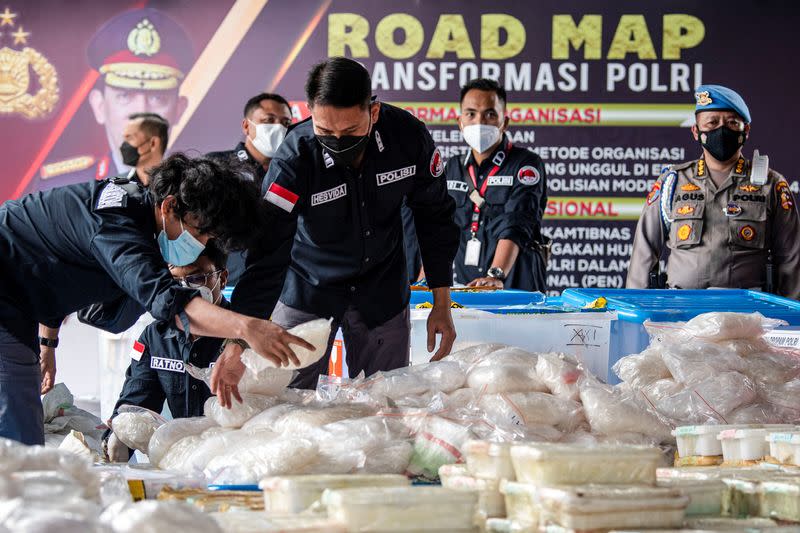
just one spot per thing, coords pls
(749, 228)
(687, 224)
(328, 211)
(498, 190)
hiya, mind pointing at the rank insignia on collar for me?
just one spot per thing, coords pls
(740, 167)
(684, 232)
(690, 187)
(732, 210)
(701, 168)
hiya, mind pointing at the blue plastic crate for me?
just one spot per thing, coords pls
(483, 299)
(634, 306)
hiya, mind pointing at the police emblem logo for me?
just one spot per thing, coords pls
(654, 193)
(528, 175)
(749, 188)
(684, 232)
(732, 210)
(685, 210)
(144, 40)
(784, 195)
(690, 187)
(747, 233)
(437, 164)
(242, 155)
(703, 98)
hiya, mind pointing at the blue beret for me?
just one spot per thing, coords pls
(141, 49)
(717, 97)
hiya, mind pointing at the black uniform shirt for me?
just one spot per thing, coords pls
(240, 157)
(69, 247)
(337, 233)
(515, 198)
(157, 372)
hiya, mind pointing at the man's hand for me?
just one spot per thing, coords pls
(117, 452)
(227, 372)
(47, 363)
(486, 282)
(441, 321)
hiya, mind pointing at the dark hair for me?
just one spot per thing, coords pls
(255, 101)
(226, 206)
(339, 82)
(484, 84)
(154, 125)
(216, 254)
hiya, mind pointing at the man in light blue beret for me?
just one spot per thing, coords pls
(727, 221)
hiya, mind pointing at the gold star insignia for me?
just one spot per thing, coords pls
(20, 36)
(7, 18)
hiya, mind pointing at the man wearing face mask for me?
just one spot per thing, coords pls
(146, 136)
(266, 119)
(335, 190)
(157, 372)
(500, 194)
(69, 247)
(727, 222)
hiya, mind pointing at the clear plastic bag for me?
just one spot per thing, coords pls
(438, 442)
(158, 516)
(134, 426)
(316, 332)
(239, 413)
(73, 515)
(784, 399)
(505, 378)
(173, 431)
(255, 457)
(75, 443)
(640, 370)
(268, 382)
(303, 419)
(402, 383)
(696, 361)
(532, 409)
(611, 412)
(473, 354)
(560, 372)
(723, 326)
(773, 366)
(710, 400)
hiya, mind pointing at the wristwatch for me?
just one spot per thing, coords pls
(496, 273)
(239, 342)
(50, 343)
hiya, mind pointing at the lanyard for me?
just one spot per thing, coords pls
(476, 209)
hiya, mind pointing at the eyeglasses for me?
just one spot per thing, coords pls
(197, 280)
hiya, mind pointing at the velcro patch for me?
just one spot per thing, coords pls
(385, 178)
(505, 181)
(454, 185)
(137, 351)
(170, 365)
(330, 195)
(112, 196)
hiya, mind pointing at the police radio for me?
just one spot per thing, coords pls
(759, 169)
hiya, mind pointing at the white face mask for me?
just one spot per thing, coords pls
(206, 293)
(481, 137)
(268, 138)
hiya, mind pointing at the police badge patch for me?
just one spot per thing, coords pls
(437, 165)
(654, 193)
(528, 175)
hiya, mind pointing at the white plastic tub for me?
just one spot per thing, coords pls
(742, 446)
(294, 494)
(402, 508)
(490, 502)
(705, 496)
(562, 464)
(489, 460)
(784, 447)
(700, 441)
(521, 503)
(602, 507)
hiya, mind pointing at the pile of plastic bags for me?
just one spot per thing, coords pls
(69, 427)
(715, 369)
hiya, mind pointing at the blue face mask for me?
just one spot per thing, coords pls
(182, 251)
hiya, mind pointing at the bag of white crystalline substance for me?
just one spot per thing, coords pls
(640, 370)
(158, 517)
(239, 413)
(400, 383)
(439, 442)
(470, 355)
(532, 409)
(560, 372)
(611, 412)
(134, 426)
(316, 333)
(506, 370)
(173, 431)
(255, 457)
(723, 326)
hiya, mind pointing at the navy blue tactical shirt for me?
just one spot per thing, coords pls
(69, 247)
(157, 372)
(337, 233)
(515, 196)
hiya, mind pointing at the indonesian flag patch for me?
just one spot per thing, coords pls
(137, 351)
(437, 165)
(281, 197)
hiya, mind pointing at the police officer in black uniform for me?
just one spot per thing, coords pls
(500, 195)
(267, 117)
(72, 246)
(157, 372)
(335, 190)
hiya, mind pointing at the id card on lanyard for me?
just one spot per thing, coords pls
(472, 254)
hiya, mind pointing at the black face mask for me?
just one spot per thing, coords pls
(130, 154)
(345, 149)
(722, 143)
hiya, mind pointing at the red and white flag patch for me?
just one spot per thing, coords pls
(137, 351)
(437, 164)
(281, 197)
